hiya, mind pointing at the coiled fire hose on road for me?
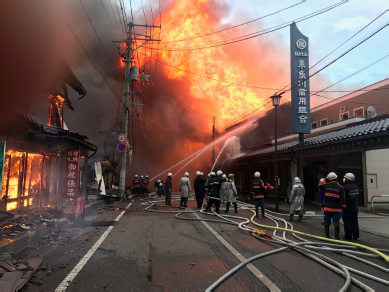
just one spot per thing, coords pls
(343, 247)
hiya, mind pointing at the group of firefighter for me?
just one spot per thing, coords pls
(335, 200)
(140, 185)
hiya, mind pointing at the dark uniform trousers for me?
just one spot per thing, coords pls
(351, 228)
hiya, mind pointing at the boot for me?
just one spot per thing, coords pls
(227, 208)
(263, 213)
(327, 230)
(236, 207)
(337, 231)
(217, 210)
(300, 218)
(256, 213)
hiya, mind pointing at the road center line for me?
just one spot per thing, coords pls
(70, 277)
(257, 273)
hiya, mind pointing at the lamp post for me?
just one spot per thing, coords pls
(276, 102)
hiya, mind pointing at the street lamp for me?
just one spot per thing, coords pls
(276, 98)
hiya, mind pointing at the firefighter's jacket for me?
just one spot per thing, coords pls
(168, 184)
(351, 193)
(297, 197)
(136, 183)
(334, 200)
(213, 185)
(258, 188)
(198, 184)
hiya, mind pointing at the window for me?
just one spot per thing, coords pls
(344, 116)
(359, 112)
(323, 122)
(314, 125)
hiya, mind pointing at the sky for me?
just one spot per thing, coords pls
(325, 32)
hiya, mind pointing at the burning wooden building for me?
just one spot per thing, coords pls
(33, 155)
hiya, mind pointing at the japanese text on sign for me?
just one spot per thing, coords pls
(78, 205)
(300, 81)
(71, 173)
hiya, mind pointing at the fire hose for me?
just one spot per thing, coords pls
(342, 247)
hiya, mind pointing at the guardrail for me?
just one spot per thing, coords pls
(377, 196)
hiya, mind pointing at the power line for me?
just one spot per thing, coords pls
(235, 26)
(106, 54)
(114, 15)
(110, 19)
(90, 58)
(94, 71)
(337, 58)
(338, 47)
(255, 34)
(155, 126)
(351, 75)
(210, 78)
(201, 115)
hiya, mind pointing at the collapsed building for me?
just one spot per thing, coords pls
(33, 156)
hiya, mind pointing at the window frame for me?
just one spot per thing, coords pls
(326, 119)
(341, 115)
(317, 125)
(363, 111)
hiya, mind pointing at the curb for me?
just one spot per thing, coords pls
(23, 242)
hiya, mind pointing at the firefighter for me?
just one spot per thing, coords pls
(350, 213)
(168, 189)
(231, 193)
(198, 185)
(297, 199)
(136, 185)
(334, 202)
(157, 185)
(211, 174)
(160, 189)
(142, 186)
(146, 184)
(223, 191)
(185, 189)
(257, 189)
(320, 195)
(214, 185)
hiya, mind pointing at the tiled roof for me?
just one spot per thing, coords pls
(358, 130)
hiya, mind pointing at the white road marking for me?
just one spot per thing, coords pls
(70, 277)
(257, 273)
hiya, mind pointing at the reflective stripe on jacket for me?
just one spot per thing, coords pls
(258, 188)
(334, 200)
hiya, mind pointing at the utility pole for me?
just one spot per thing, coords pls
(213, 139)
(130, 75)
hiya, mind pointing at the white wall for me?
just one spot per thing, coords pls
(377, 174)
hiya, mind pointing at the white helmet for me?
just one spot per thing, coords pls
(198, 173)
(219, 172)
(224, 176)
(160, 184)
(322, 179)
(332, 176)
(141, 176)
(257, 174)
(186, 174)
(297, 180)
(136, 175)
(169, 174)
(147, 175)
(212, 173)
(349, 176)
(201, 173)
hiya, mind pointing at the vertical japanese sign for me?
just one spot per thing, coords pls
(71, 173)
(78, 205)
(299, 64)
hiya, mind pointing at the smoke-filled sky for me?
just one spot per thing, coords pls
(34, 36)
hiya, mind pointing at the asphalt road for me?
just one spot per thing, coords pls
(155, 252)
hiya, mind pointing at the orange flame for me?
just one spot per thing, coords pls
(187, 19)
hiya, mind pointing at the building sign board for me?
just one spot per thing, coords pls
(300, 94)
(71, 172)
(78, 205)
